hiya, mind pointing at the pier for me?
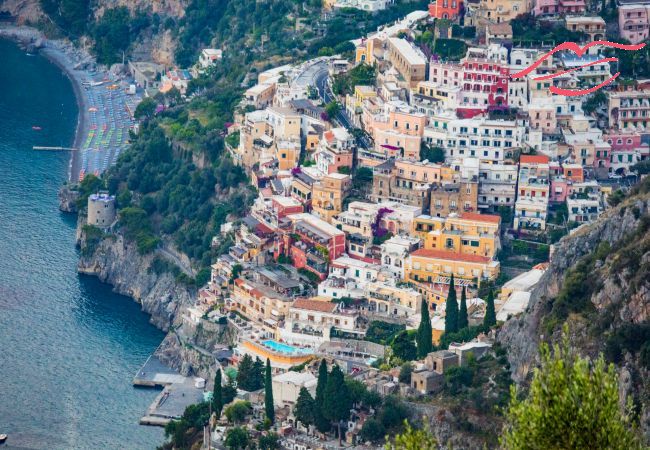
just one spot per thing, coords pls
(178, 392)
(56, 149)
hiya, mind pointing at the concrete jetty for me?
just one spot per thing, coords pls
(178, 392)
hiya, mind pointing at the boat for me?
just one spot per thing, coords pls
(3, 438)
(35, 128)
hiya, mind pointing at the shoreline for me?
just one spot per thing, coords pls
(59, 53)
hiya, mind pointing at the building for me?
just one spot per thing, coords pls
(395, 250)
(328, 195)
(409, 61)
(336, 151)
(433, 266)
(447, 198)
(287, 386)
(445, 9)
(392, 301)
(498, 11)
(491, 141)
(364, 5)
(429, 377)
(592, 26)
(209, 57)
(101, 210)
(629, 109)
(531, 207)
(554, 7)
(497, 185)
(498, 33)
(177, 78)
(264, 296)
(310, 321)
(467, 233)
(634, 20)
(583, 210)
(312, 244)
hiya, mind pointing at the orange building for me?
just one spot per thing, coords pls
(445, 9)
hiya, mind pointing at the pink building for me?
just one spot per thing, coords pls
(559, 189)
(634, 20)
(552, 7)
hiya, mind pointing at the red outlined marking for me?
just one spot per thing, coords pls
(580, 51)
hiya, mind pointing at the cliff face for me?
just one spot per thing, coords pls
(118, 263)
(614, 256)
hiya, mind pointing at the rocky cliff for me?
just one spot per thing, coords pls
(117, 262)
(598, 283)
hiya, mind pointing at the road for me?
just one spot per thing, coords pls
(320, 78)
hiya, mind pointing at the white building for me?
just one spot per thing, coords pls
(209, 57)
(286, 387)
(310, 321)
(394, 252)
(497, 185)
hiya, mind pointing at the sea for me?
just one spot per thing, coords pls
(69, 347)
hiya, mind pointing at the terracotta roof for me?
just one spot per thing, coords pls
(450, 256)
(492, 218)
(533, 159)
(314, 305)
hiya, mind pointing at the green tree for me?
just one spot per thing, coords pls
(337, 402)
(432, 154)
(238, 411)
(217, 394)
(332, 109)
(237, 438)
(257, 380)
(321, 422)
(228, 392)
(412, 439)
(268, 393)
(463, 321)
(403, 346)
(245, 372)
(145, 109)
(405, 373)
(451, 309)
(425, 333)
(304, 410)
(490, 318)
(372, 430)
(270, 441)
(572, 403)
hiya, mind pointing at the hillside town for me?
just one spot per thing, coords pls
(407, 204)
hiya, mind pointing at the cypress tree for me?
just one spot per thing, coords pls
(423, 337)
(245, 373)
(451, 309)
(322, 424)
(257, 377)
(268, 393)
(490, 318)
(304, 410)
(217, 394)
(338, 401)
(463, 321)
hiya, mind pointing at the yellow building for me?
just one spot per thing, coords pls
(259, 303)
(288, 154)
(328, 195)
(393, 300)
(428, 266)
(468, 233)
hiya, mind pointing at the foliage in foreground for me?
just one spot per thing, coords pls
(572, 403)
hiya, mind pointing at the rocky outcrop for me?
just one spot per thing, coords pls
(117, 262)
(25, 12)
(68, 199)
(619, 289)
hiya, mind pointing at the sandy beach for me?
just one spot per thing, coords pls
(97, 147)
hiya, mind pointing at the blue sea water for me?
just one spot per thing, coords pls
(69, 347)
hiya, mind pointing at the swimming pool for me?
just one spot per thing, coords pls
(286, 348)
